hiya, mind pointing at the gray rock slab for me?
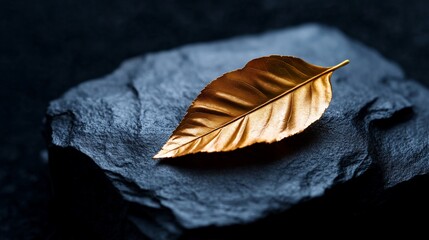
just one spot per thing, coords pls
(377, 119)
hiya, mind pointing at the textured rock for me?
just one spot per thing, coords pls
(103, 133)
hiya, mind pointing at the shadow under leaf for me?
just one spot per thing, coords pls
(257, 154)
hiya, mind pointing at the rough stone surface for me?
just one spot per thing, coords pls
(103, 134)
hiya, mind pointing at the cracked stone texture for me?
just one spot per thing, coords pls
(103, 133)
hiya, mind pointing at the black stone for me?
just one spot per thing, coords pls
(102, 135)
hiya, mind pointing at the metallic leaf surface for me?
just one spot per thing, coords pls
(271, 98)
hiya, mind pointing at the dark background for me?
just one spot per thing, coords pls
(48, 46)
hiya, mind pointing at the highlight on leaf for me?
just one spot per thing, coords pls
(271, 98)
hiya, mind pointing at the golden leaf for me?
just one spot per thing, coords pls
(271, 98)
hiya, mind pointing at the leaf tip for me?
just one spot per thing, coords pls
(163, 154)
(158, 156)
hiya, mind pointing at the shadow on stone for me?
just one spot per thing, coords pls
(252, 155)
(86, 205)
